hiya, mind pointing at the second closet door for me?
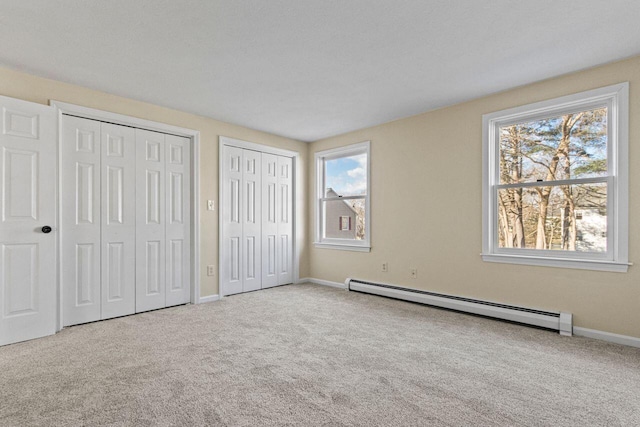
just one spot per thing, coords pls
(257, 220)
(277, 224)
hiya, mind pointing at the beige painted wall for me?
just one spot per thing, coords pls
(426, 212)
(23, 86)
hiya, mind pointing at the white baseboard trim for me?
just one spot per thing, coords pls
(209, 298)
(607, 336)
(322, 282)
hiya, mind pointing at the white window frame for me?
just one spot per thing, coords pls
(321, 157)
(616, 99)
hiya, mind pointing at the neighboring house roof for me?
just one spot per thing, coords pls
(331, 193)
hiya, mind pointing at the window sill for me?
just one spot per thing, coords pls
(581, 264)
(354, 248)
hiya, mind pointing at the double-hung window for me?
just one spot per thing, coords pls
(342, 198)
(555, 182)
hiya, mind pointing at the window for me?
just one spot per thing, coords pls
(345, 223)
(342, 198)
(555, 178)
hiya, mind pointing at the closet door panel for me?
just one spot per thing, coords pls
(269, 220)
(231, 207)
(178, 223)
(284, 212)
(150, 220)
(118, 220)
(252, 223)
(80, 220)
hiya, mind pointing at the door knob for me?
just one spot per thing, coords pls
(46, 229)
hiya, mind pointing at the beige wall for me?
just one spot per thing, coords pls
(426, 212)
(23, 86)
(418, 164)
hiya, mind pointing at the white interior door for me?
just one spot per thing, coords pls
(257, 220)
(163, 220)
(252, 220)
(231, 205)
(80, 222)
(126, 217)
(118, 220)
(150, 220)
(27, 204)
(269, 220)
(284, 200)
(178, 224)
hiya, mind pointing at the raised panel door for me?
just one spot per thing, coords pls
(118, 222)
(178, 224)
(284, 242)
(251, 218)
(269, 220)
(81, 220)
(27, 203)
(150, 220)
(231, 207)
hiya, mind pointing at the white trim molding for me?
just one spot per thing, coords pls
(208, 298)
(64, 108)
(225, 140)
(558, 262)
(607, 336)
(322, 282)
(344, 247)
(615, 99)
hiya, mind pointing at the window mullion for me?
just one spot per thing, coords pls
(328, 199)
(577, 181)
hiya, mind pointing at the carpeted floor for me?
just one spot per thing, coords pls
(311, 355)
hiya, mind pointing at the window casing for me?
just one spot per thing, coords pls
(566, 190)
(342, 198)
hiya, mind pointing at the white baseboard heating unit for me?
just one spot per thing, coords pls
(559, 321)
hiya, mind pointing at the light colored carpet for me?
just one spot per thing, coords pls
(311, 355)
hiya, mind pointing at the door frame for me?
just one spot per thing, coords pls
(64, 108)
(296, 162)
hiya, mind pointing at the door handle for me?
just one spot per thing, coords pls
(46, 229)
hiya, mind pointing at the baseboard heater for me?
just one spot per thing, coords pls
(558, 321)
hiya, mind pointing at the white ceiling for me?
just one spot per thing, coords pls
(309, 69)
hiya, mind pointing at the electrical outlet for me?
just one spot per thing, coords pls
(211, 270)
(414, 273)
(385, 267)
(210, 205)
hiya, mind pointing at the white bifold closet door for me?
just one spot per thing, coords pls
(162, 227)
(257, 226)
(251, 221)
(277, 227)
(81, 220)
(118, 237)
(125, 205)
(98, 220)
